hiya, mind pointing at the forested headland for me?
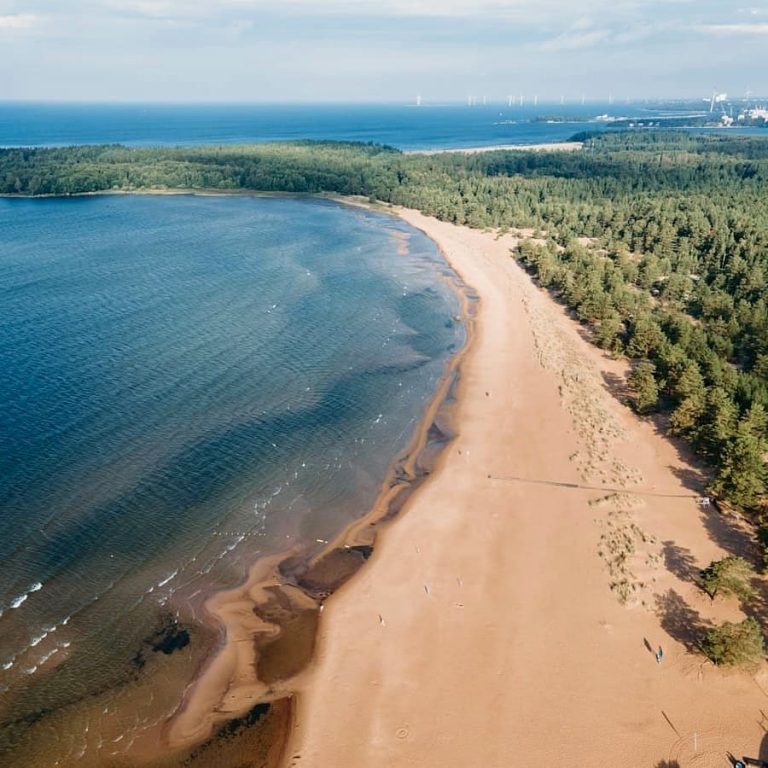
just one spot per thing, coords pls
(657, 241)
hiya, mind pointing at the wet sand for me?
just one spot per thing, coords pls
(268, 625)
(510, 614)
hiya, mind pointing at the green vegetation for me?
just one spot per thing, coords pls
(642, 381)
(735, 644)
(761, 538)
(658, 242)
(730, 576)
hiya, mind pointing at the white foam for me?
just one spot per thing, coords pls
(47, 657)
(166, 580)
(22, 598)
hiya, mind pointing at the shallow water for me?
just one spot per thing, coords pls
(188, 383)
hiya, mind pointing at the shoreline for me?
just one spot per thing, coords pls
(268, 624)
(554, 146)
(491, 603)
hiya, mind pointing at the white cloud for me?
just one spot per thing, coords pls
(735, 29)
(577, 39)
(495, 9)
(491, 9)
(18, 21)
(158, 9)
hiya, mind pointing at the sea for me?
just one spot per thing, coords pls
(407, 127)
(190, 384)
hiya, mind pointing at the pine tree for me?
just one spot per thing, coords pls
(642, 382)
(730, 576)
(718, 423)
(689, 382)
(741, 477)
(733, 644)
(607, 335)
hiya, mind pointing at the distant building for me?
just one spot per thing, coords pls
(754, 115)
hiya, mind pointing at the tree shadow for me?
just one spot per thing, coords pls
(680, 561)
(585, 330)
(757, 605)
(692, 471)
(731, 534)
(691, 477)
(616, 386)
(667, 764)
(680, 621)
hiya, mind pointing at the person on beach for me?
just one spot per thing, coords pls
(661, 654)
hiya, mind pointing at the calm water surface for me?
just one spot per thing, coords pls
(406, 127)
(187, 383)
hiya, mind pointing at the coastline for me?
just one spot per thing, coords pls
(554, 146)
(486, 608)
(268, 624)
(500, 617)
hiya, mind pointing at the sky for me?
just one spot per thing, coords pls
(361, 50)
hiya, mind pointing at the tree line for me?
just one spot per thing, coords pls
(658, 241)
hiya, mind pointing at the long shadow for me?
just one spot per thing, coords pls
(680, 561)
(690, 477)
(616, 386)
(680, 621)
(667, 764)
(757, 605)
(692, 472)
(730, 534)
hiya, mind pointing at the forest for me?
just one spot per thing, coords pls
(657, 241)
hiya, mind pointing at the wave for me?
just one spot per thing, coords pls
(19, 600)
(35, 641)
(167, 579)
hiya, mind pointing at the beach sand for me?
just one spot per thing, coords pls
(554, 146)
(506, 619)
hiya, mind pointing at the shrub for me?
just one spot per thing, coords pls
(730, 576)
(733, 644)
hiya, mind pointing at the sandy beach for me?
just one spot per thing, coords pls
(510, 614)
(554, 146)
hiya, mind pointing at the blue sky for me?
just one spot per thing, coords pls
(360, 50)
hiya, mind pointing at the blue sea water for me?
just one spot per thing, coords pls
(188, 383)
(405, 127)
